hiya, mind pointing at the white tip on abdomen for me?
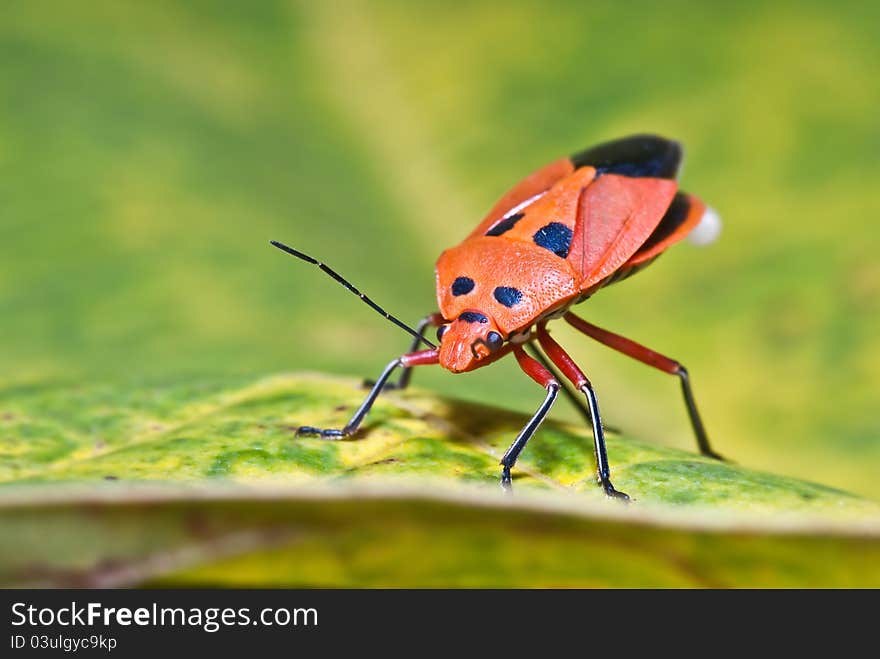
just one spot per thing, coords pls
(708, 229)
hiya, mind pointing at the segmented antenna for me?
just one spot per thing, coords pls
(346, 284)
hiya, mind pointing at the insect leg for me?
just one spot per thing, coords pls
(571, 370)
(425, 357)
(566, 389)
(658, 361)
(431, 320)
(545, 378)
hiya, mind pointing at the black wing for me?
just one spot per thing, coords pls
(635, 156)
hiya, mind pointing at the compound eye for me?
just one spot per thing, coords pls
(494, 341)
(441, 331)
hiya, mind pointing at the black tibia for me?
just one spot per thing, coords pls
(599, 444)
(526, 433)
(560, 358)
(406, 373)
(355, 422)
(694, 414)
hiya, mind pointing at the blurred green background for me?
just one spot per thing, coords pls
(149, 150)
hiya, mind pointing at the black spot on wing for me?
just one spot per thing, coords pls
(462, 286)
(473, 317)
(505, 225)
(635, 156)
(507, 296)
(554, 236)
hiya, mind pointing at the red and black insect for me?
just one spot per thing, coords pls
(569, 229)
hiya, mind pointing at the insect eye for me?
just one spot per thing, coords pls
(494, 341)
(441, 331)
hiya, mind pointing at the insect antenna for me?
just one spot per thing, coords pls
(350, 287)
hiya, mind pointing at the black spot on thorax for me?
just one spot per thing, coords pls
(462, 286)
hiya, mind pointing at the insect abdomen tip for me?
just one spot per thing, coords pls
(708, 230)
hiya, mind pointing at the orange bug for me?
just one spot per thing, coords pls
(569, 229)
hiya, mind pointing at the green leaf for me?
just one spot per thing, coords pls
(207, 484)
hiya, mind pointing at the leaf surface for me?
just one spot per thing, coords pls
(207, 484)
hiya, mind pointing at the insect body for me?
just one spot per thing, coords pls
(569, 229)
